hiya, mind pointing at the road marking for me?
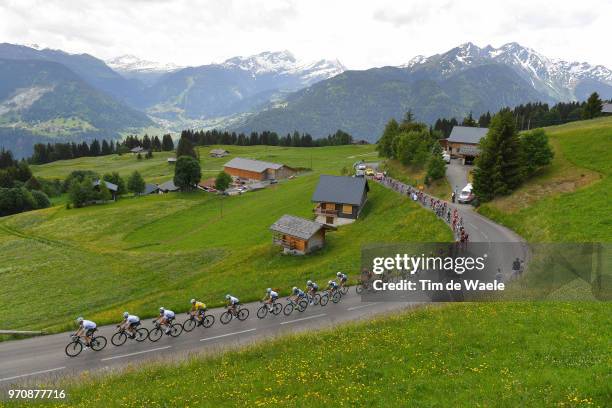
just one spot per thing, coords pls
(136, 353)
(228, 334)
(473, 226)
(304, 318)
(34, 373)
(359, 307)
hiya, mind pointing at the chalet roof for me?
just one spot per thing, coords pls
(256, 166)
(137, 149)
(296, 226)
(150, 188)
(110, 186)
(340, 189)
(171, 159)
(606, 108)
(219, 151)
(465, 134)
(168, 186)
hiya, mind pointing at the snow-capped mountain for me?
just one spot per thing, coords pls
(560, 80)
(131, 63)
(284, 63)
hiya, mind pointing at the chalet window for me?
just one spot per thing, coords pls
(347, 209)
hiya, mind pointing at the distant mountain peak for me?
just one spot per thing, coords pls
(131, 63)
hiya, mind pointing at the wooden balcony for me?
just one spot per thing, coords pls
(325, 212)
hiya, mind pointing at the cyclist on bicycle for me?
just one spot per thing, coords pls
(232, 303)
(130, 323)
(86, 330)
(270, 298)
(332, 286)
(313, 288)
(342, 278)
(197, 310)
(165, 318)
(297, 294)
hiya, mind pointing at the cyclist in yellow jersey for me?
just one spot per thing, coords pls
(197, 309)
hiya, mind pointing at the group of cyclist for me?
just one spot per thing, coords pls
(198, 309)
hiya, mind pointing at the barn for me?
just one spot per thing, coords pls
(463, 142)
(297, 235)
(249, 169)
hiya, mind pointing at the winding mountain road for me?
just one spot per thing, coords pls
(34, 360)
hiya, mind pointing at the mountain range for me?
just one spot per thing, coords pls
(48, 93)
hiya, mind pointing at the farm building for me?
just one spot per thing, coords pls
(606, 109)
(218, 153)
(257, 170)
(297, 235)
(137, 149)
(171, 160)
(339, 199)
(207, 184)
(150, 189)
(463, 142)
(168, 187)
(113, 188)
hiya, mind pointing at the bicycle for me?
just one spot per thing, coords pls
(191, 322)
(327, 294)
(315, 300)
(240, 314)
(263, 310)
(300, 306)
(122, 335)
(363, 286)
(75, 347)
(344, 290)
(156, 333)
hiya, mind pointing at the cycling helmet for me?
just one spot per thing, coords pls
(227, 296)
(79, 320)
(330, 282)
(295, 289)
(125, 315)
(192, 301)
(339, 274)
(269, 290)
(309, 283)
(161, 310)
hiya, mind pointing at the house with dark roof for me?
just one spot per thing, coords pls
(113, 188)
(249, 169)
(218, 153)
(339, 199)
(150, 189)
(168, 187)
(297, 235)
(137, 149)
(606, 109)
(463, 142)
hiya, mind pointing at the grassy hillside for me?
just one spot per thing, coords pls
(140, 253)
(460, 355)
(570, 200)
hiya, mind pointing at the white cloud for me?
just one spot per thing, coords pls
(360, 33)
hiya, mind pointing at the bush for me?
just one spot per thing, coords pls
(15, 200)
(40, 199)
(79, 175)
(223, 181)
(82, 192)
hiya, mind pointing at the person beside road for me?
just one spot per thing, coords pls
(86, 330)
(129, 324)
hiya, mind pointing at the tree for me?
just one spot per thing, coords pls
(40, 199)
(223, 181)
(15, 200)
(469, 121)
(593, 106)
(136, 183)
(167, 143)
(185, 148)
(116, 179)
(33, 184)
(81, 192)
(187, 173)
(102, 193)
(385, 143)
(436, 168)
(498, 170)
(536, 151)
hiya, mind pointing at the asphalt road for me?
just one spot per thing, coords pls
(38, 359)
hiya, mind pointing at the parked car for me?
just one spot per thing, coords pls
(275, 181)
(369, 171)
(360, 173)
(379, 176)
(209, 189)
(446, 156)
(466, 196)
(361, 167)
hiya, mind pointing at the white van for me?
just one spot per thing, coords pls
(466, 196)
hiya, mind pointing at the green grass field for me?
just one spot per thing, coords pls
(140, 253)
(503, 355)
(570, 200)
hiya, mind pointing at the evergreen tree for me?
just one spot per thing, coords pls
(185, 148)
(469, 121)
(167, 143)
(187, 173)
(436, 168)
(136, 183)
(593, 106)
(536, 151)
(94, 148)
(116, 179)
(498, 169)
(386, 141)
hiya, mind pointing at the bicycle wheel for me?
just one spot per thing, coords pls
(141, 334)
(288, 309)
(208, 321)
(74, 348)
(359, 289)
(277, 309)
(344, 290)
(226, 317)
(336, 297)
(302, 305)
(262, 311)
(176, 329)
(189, 324)
(324, 299)
(98, 343)
(243, 314)
(119, 339)
(155, 334)
(317, 299)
